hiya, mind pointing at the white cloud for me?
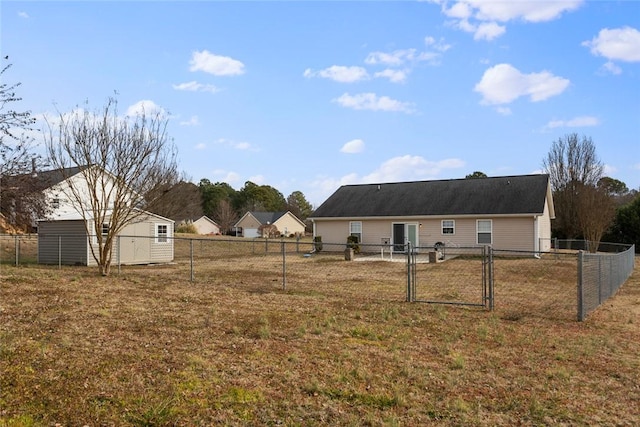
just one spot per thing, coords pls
(609, 170)
(194, 86)
(622, 44)
(238, 145)
(145, 107)
(582, 121)
(402, 56)
(193, 121)
(226, 176)
(488, 31)
(215, 64)
(201, 146)
(394, 76)
(24, 15)
(339, 73)
(481, 17)
(257, 179)
(502, 84)
(411, 168)
(505, 111)
(503, 11)
(352, 147)
(371, 101)
(438, 45)
(610, 68)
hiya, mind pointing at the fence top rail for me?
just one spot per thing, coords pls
(631, 250)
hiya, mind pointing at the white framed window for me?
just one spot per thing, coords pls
(355, 229)
(448, 226)
(55, 203)
(162, 233)
(484, 228)
(105, 228)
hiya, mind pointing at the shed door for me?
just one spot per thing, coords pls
(135, 244)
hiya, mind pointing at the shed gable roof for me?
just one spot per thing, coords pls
(507, 195)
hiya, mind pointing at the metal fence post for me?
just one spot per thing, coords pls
(191, 258)
(118, 252)
(491, 283)
(284, 267)
(59, 252)
(581, 312)
(17, 249)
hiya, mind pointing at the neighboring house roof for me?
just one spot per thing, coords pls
(267, 217)
(206, 219)
(507, 195)
(50, 178)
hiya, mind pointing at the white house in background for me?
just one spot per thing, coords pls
(56, 186)
(286, 223)
(63, 237)
(205, 225)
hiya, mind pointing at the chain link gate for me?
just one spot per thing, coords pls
(457, 275)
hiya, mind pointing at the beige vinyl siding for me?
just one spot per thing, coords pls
(161, 252)
(515, 233)
(205, 226)
(249, 221)
(544, 229)
(69, 236)
(289, 225)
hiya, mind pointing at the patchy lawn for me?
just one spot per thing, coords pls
(339, 346)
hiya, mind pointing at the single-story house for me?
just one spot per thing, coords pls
(508, 212)
(252, 223)
(147, 239)
(204, 225)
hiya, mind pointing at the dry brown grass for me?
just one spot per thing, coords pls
(339, 346)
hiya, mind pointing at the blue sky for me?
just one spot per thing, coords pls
(308, 96)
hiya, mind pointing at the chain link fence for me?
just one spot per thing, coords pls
(600, 276)
(559, 284)
(18, 249)
(535, 284)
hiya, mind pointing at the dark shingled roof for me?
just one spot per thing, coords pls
(267, 217)
(506, 195)
(52, 177)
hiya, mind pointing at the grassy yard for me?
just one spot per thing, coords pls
(337, 347)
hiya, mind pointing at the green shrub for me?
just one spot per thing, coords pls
(353, 243)
(189, 228)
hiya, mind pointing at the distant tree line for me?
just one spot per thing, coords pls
(225, 205)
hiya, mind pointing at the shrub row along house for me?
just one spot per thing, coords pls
(509, 212)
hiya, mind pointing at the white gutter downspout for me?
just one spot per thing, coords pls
(536, 237)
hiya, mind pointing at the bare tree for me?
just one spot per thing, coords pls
(596, 213)
(181, 201)
(122, 159)
(20, 196)
(225, 216)
(571, 163)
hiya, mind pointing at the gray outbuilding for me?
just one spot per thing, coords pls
(148, 239)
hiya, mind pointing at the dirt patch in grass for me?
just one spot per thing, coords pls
(337, 346)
